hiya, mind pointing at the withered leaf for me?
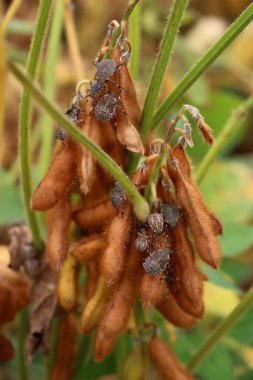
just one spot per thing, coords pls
(44, 297)
(201, 226)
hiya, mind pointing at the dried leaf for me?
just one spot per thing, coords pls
(58, 220)
(58, 179)
(44, 297)
(199, 221)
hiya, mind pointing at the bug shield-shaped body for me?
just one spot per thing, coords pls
(141, 243)
(95, 87)
(106, 106)
(157, 261)
(117, 195)
(105, 69)
(171, 213)
(155, 222)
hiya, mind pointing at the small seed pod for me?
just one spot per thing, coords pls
(105, 69)
(117, 195)
(170, 213)
(157, 261)
(155, 221)
(141, 243)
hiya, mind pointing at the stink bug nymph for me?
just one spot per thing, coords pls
(155, 221)
(171, 213)
(157, 261)
(141, 243)
(117, 195)
(105, 108)
(105, 69)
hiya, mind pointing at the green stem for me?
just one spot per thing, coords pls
(161, 66)
(22, 327)
(230, 128)
(140, 206)
(221, 330)
(49, 80)
(202, 65)
(126, 16)
(154, 175)
(25, 117)
(134, 37)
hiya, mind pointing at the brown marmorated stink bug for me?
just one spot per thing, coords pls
(105, 107)
(155, 222)
(141, 243)
(117, 195)
(157, 261)
(171, 213)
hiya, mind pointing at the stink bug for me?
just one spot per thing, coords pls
(105, 108)
(141, 243)
(155, 221)
(117, 195)
(157, 261)
(105, 69)
(171, 213)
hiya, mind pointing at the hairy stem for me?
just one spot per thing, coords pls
(25, 117)
(221, 330)
(49, 80)
(134, 37)
(203, 64)
(230, 128)
(140, 206)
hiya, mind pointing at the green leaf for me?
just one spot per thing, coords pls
(242, 330)
(239, 271)
(217, 277)
(236, 239)
(10, 201)
(228, 191)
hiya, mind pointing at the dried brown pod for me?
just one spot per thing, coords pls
(95, 218)
(118, 234)
(66, 349)
(174, 314)
(88, 248)
(189, 198)
(152, 290)
(57, 221)
(204, 129)
(118, 308)
(44, 297)
(58, 180)
(184, 269)
(67, 288)
(94, 309)
(166, 362)
(92, 267)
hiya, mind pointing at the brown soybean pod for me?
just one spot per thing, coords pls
(58, 180)
(152, 290)
(66, 349)
(114, 257)
(118, 308)
(199, 222)
(95, 218)
(166, 362)
(58, 220)
(88, 248)
(174, 314)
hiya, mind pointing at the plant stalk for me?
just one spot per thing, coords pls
(134, 37)
(203, 64)
(140, 206)
(25, 118)
(221, 330)
(231, 126)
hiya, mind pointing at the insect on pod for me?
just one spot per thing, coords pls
(105, 69)
(141, 243)
(60, 134)
(155, 222)
(171, 213)
(105, 108)
(95, 87)
(117, 195)
(157, 261)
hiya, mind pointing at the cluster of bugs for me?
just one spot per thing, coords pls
(158, 261)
